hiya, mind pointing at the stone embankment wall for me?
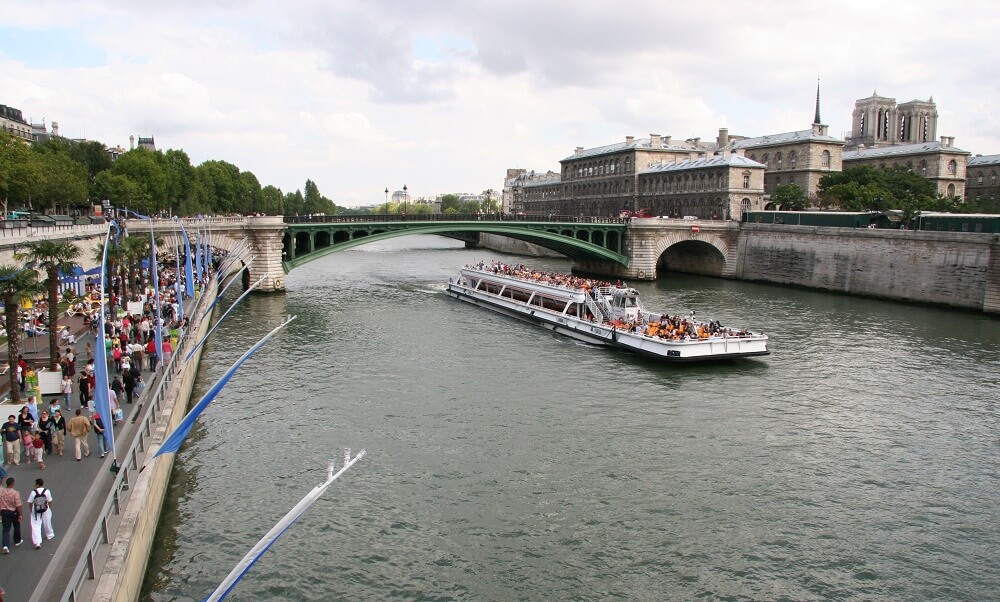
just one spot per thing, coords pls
(959, 269)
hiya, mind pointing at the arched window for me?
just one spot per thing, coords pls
(745, 205)
(951, 190)
(764, 159)
(793, 159)
(979, 179)
(993, 178)
(824, 159)
(923, 168)
(778, 159)
(952, 167)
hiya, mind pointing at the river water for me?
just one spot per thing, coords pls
(859, 461)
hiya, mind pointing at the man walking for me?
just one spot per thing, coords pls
(79, 428)
(40, 502)
(12, 440)
(10, 512)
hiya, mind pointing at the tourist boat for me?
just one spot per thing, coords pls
(600, 313)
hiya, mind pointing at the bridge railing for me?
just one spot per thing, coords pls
(450, 217)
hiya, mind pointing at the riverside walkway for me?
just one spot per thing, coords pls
(88, 496)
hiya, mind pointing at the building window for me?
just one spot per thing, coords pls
(993, 178)
(979, 179)
(923, 168)
(952, 167)
(764, 159)
(778, 159)
(745, 205)
(951, 190)
(824, 159)
(746, 179)
(793, 159)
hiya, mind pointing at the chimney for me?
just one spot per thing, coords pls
(723, 140)
(947, 141)
(55, 129)
(666, 141)
(131, 142)
(629, 140)
(654, 141)
(578, 150)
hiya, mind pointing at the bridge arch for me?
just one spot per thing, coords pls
(702, 253)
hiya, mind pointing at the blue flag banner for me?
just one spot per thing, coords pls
(279, 529)
(188, 272)
(173, 442)
(197, 256)
(235, 277)
(102, 397)
(216, 325)
(158, 332)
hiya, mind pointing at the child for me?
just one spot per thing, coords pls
(28, 441)
(37, 449)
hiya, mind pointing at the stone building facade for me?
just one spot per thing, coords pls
(878, 121)
(939, 162)
(981, 182)
(515, 183)
(721, 186)
(801, 157)
(12, 122)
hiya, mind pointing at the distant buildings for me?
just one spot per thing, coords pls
(736, 173)
(12, 122)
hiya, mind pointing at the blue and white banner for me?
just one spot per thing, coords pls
(216, 325)
(279, 529)
(188, 271)
(102, 396)
(173, 442)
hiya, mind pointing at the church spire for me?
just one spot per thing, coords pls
(816, 119)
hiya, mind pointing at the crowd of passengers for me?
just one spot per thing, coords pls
(519, 270)
(679, 329)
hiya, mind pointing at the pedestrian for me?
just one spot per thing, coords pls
(67, 390)
(151, 354)
(99, 431)
(79, 428)
(46, 428)
(40, 502)
(37, 449)
(128, 382)
(12, 440)
(10, 512)
(84, 390)
(58, 432)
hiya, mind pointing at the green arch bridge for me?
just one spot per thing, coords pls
(580, 238)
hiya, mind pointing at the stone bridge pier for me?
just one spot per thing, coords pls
(654, 244)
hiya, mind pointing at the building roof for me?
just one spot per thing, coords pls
(982, 160)
(786, 138)
(732, 160)
(666, 144)
(921, 148)
(542, 180)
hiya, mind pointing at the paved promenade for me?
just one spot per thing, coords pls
(78, 488)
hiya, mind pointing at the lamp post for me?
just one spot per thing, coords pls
(489, 200)
(405, 199)
(386, 206)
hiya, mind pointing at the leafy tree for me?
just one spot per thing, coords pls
(52, 257)
(117, 188)
(469, 207)
(450, 201)
(294, 203)
(64, 183)
(222, 183)
(180, 178)
(20, 171)
(251, 193)
(272, 201)
(790, 197)
(419, 209)
(16, 285)
(142, 167)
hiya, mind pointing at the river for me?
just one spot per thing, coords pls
(859, 461)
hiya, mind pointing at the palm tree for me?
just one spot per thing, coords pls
(16, 285)
(134, 250)
(52, 257)
(116, 258)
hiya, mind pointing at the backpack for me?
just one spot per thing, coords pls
(41, 503)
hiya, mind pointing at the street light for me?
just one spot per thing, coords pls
(405, 199)
(386, 206)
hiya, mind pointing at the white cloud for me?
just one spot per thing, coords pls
(444, 96)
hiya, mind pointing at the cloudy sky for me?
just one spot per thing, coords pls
(445, 95)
